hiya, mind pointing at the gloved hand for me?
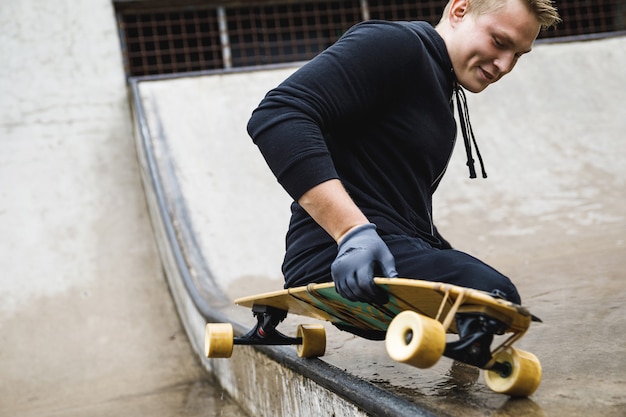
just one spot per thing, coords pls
(361, 253)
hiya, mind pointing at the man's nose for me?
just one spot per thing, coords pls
(505, 62)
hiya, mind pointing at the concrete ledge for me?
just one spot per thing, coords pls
(265, 381)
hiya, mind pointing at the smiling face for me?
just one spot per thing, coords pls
(485, 47)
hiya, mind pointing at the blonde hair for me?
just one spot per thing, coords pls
(544, 10)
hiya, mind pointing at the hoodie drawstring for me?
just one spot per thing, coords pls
(466, 129)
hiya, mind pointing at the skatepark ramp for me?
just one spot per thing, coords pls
(266, 381)
(551, 136)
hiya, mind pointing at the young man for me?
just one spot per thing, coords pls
(361, 135)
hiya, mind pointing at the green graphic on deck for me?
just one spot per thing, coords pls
(353, 313)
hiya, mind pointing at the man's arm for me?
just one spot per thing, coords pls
(367, 68)
(361, 253)
(332, 208)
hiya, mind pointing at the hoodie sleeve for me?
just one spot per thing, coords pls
(361, 71)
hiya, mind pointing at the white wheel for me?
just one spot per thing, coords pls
(218, 340)
(521, 378)
(415, 339)
(313, 340)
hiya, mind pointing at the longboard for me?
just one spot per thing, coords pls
(413, 323)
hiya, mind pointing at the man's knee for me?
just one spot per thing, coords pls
(454, 267)
(483, 277)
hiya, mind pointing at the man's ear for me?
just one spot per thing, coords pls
(458, 9)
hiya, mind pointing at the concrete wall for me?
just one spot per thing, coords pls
(87, 325)
(64, 122)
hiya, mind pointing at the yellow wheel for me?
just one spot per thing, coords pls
(313, 340)
(521, 376)
(218, 340)
(415, 339)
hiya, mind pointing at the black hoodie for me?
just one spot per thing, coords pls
(373, 110)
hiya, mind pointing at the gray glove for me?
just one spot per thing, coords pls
(362, 253)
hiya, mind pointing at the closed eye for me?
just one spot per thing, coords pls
(506, 43)
(498, 43)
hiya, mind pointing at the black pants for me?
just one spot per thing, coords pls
(414, 259)
(417, 259)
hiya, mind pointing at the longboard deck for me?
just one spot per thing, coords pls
(432, 299)
(413, 324)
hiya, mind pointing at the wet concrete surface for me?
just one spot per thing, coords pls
(550, 216)
(116, 348)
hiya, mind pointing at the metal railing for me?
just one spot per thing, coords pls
(160, 38)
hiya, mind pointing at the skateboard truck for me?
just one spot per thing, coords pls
(476, 333)
(219, 338)
(265, 333)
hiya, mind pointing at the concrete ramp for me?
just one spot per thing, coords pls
(551, 216)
